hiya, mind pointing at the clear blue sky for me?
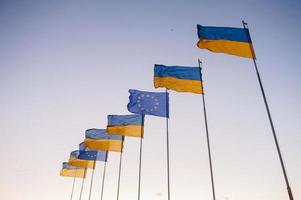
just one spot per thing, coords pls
(66, 65)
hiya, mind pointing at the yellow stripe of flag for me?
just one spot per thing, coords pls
(237, 48)
(128, 130)
(179, 85)
(104, 145)
(82, 163)
(77, 173)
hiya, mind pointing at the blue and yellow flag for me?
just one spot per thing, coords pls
(178, 78)
(100, 140)
(82, 147)
(75, 161)
(87, 154)
(98, 134)
(72, 171)
(126, 125)
(149, 103)
(234, 41)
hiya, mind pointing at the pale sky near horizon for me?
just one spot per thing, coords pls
(66, 64)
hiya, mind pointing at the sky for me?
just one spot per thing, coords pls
(65, 65)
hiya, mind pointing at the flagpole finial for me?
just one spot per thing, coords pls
(200, 61)
(245, 24)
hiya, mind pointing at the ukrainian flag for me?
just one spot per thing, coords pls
(75, 161)
(126, 125)
(234, 41)
(180, 79)
(100, 140)
(72, 171)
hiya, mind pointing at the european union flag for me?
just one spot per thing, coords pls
(93, 155)
(149, 103)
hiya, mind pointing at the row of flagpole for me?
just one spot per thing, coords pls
(91, 184)
(142, 112)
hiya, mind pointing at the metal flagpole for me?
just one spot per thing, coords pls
(119, 176)
(81, 190)
(103, 179)
(92, 180)
(290, 194)
(139, 182)
(207, 134)
(167, 145)
(140, 160)
(73, 186)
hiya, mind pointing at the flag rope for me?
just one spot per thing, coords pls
(207, 135)
(290, 194)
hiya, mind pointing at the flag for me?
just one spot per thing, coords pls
(87, 154)
(149, 103)
(82, 147)
(234, 41)
(126, 125)
(99, 139)
(72, 171)
(178, 78)
(96, 134)
(75, 161)
(93, 155)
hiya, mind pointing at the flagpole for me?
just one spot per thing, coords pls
(140, 160)
(139, 180)
(290, 194)
(103, 179)
(81, 190)
(119, 176)
(207, 135)
(92, 180)
(167, 145)
(73, 185)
